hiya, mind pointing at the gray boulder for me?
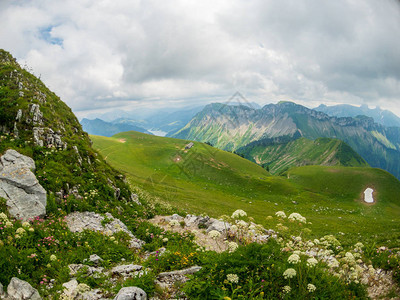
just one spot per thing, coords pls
(218, 225)
(21, 290)
(26, 198)
(131, 293)
(79, 221)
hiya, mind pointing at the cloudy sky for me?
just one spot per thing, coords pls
(106, 54)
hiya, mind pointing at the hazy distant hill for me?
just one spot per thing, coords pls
(380, 116)
(232, 127)
(100, 127)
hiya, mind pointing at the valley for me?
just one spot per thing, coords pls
(204, 179)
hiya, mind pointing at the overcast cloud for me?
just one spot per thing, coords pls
(99, 54)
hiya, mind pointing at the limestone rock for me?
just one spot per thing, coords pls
(21, 290)
(76, 291)
(26, 198)
(126, 270)
(131, 293)
(36, 114)
(90, 271)
(135, 198)
(79, 221)
(187, 271)
(218, 225)
(1, 290)
(95, 259)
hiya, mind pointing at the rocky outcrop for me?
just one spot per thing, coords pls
(79, 221)
(21, 290)
(80, 291)
(26, 198)
(131, 293)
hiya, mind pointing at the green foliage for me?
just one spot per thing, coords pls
(260, 271)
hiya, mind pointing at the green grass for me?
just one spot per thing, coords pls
(207, 180)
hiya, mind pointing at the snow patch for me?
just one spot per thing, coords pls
(368, 195)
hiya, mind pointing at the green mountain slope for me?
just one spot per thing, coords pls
(278, 155)
(36, 123)
(204, 179)
(230, 128)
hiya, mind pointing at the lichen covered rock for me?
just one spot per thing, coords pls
(26, 198)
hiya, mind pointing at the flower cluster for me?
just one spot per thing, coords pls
(239, 213)
(233, 278)
(280, 214)
(214, 234)
(232, 246)
(311, 288)
(297, 217)
(289, 273)
(294, 259)
(173, 223)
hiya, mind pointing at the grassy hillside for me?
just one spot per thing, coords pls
(207, 180)
(278, 157)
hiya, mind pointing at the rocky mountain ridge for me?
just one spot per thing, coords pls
(230, 128)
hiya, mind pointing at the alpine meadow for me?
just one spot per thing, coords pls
(210, 150)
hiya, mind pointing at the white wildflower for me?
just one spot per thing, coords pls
(20, 231)
(311, 288)
(233, 228)
(239, 213)
(294, 259)
(232, 246)
(26, 225)
(53, 257)
(173, 223)
(232, 278)
(333, 263)
(359, 245)
(286, 289)
(3, 217)
(297, 217)
(242, 223)
(289, 273)
(312, 262)
(82, 288)
(280, 214)
(165, 240)
(214, 234)
(9, 224)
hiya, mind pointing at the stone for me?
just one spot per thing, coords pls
(1, 290)
(19, 115)
(131, 293)
(74, 290)
(218, 225)
(36, 114)
(26, 198)
(187, 271)
(90, 271)
(79, 221)
(126, 270)
(135, 198)
(37, 134)
(95, 259)
(21, 290)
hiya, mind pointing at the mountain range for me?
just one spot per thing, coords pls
(100, 127)
(233, 127)
(380, 116)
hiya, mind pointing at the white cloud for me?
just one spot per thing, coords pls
(100, 54)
